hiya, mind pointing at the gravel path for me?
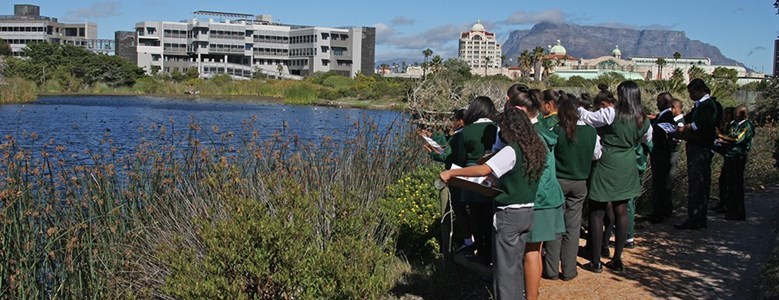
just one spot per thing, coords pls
(721, 262)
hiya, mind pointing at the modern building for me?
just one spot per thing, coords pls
(241, 45)
(480, 49)
(27, 26)
(126, 46)
(776, 58)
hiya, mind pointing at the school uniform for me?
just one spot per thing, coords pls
(703, 119)
(732, 175)
(664, 161)
(476, 139)
(573, 161)
(551, 121)
(512, 220)
(548, 221)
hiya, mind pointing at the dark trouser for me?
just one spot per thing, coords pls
(511, 229)
(732, 186)
(563, 251)
(699, 177)
(481, 227)
(663, 176)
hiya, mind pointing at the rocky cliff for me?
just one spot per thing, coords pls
(596, 41)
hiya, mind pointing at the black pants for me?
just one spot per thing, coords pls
(732, 186)
(699, 179)
(664, 165)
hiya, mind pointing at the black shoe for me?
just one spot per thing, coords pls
(732, 217)
(604, 252)
(630, 245)
(691, 225)
(615, 265)
(595, 267)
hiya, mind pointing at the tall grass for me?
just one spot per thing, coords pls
(202, 213)
(17, 90)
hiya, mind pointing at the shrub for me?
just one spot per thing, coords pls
(299, 93)
(412, 205)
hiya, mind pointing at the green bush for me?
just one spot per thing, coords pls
(412, 205)
(300, 93)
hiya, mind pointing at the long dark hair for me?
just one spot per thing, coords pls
(603, 96)
(551, 96)
(568, 115)
(481, 107)
(515, 127)
(629, 105)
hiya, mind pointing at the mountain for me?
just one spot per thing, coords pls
(595, 41)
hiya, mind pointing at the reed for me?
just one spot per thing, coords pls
(186, 205)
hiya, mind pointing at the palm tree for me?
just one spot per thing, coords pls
(427, 53)
(384, 68)
(537, 56)
(487, 61)
(660, 62)
(677, 56)
(436, 63)
(548, 65)
(695, 72)
(525, 62)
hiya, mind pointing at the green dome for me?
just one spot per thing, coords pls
(558, 49)
(616, 51)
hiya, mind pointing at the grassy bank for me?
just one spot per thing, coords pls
(16, 90)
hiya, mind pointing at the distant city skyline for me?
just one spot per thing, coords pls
(744, 31)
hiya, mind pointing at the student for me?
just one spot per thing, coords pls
(519, 167)
(740, 140)
(665, 157)
(578, 145)
(700, 132)
(615, 176)
(462, 219)
(548, 220)
(478, 135)
(549, 107)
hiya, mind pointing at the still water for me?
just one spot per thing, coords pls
(82, 122)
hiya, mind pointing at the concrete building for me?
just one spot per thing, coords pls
(776, 58)
(480, 49)
(241, 45)
(126, 46)
(27, 26)
(638, 68)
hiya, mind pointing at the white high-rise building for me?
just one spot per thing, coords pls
(479, 48)
(240, 45)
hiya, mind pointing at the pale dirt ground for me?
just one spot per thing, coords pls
(720, 262)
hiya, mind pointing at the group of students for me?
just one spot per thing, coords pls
(549, 151)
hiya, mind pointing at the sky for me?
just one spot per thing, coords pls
(743, 30)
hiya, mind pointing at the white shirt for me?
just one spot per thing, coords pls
(502, 163)
(606, 116)
(499, 143)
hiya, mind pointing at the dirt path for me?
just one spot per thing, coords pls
(721, 262)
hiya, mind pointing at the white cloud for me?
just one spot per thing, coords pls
(524, 17)
(402, 20)
(384, 33)
(97, 10)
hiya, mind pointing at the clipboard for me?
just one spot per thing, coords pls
(485, 185)
(433, 144)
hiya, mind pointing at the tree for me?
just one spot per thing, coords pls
(5, 48)
(538, 55)
(436, 63)
(768, 104)
(677, 56)
(427, 53)
(548, 65)
(695, 72)
(384, 67)
(525, 61)
(279, 67)
(192, 73)
(724, 82)
(660, 62)
(503, 60)
(487, 61)
(177, 76)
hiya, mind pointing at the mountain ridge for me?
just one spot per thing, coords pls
(587, 41)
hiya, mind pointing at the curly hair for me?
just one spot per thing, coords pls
(515, 127)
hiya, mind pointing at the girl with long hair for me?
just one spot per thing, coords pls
(578, 145)
(615, 177)
(548, 205)
(518, 167)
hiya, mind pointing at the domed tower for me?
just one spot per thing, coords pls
(558, 49)
(480, 49)
(616, 52)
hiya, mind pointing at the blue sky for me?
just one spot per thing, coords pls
(744, 30)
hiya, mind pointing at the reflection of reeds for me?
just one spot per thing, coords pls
(95, 230)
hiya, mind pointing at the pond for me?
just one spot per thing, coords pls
(81, 122)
